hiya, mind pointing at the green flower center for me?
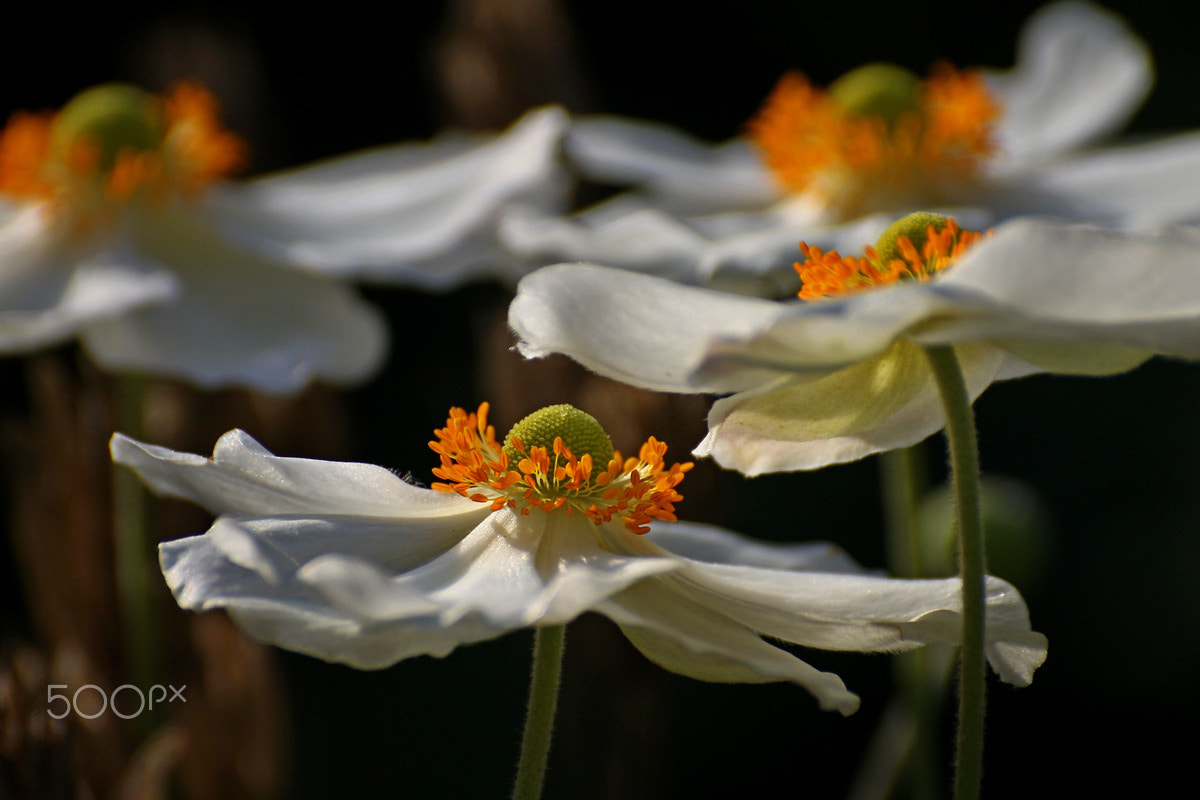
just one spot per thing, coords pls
(878, 90)
(914, 227)
(580, 432)
(111, 118)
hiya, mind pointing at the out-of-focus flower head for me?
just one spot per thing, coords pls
(105, 235)
(834, 166)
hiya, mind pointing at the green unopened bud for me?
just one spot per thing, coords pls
(915, 227)
(579, 431)
(878, 90)
(1016, 528)
(111, 117)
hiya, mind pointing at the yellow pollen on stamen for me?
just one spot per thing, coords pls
(877, 137)
(915, 247)
(549, 476)
(114, 143)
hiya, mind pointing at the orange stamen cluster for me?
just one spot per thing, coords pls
(195, 151)
(633, 491)
(24, 145)
(200, 149)
(831, 274)
(811, 144)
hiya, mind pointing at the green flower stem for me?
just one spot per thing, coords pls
(132, 560)
(539, 716)
(903, 486)
(902, 759)
(964, 465)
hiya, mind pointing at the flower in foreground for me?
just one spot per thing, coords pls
(118, 226)
(834, 166)
(350, 563)
(844, 375)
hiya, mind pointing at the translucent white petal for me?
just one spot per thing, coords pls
(514, 571)
(747, 252)
(238, 319)
(421, 215)
(1067, 286)
(808, 421)
(833, 333)
(242, 477)
(639, 329)
(50, 289)
(701, 642)
(712, 544)
(1137, 185)
(680, 173)
(256, 579)
(864, 613)
(1080, 73)
(708, 618)
(645, 239)
(358, 602)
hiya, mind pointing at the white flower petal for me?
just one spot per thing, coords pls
(242, 477)
(832, 333)
(226, 562)
(639, 329)
(513, 571)
(237, 569)
(707, 619)
(645, 239)
(48, 292)
(420, 215)
(1137, 185)
(865, 613)
(238, 320)
(679, 172)
(1080, 74)
(447, 588)
(709, 543)
(745, 252)
(806, 421)
(701, 642)
(1066, 286)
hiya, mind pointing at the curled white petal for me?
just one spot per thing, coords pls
(422, 215)
(1080, 74)
(807, 421)
(679, 172)
(623, 325)
(243, 477)
(52, 288)
(716, 545)
(237, 318)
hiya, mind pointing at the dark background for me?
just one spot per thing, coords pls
(1113, 711)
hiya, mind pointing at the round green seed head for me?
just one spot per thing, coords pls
(113, 117)
(1016, 523)
(579, 431)
(915, 227)
(877, 90)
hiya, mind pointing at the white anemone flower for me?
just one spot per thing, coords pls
(352, 564)
(839, 377)
(835, 167)
(117, 227)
